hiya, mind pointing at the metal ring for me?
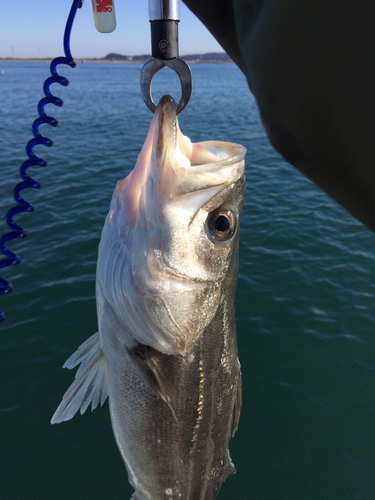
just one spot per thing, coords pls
(149, 70)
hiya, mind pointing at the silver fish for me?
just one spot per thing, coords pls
(166, 350)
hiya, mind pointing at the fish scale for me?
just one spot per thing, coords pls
(189, 457)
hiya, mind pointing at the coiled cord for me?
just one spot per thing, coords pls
(27, 182)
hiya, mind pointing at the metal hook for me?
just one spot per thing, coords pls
(149, 70)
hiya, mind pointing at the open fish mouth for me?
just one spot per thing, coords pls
(170, 166)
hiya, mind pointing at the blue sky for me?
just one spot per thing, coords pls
(34, 28)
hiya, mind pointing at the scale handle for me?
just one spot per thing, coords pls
(164, 17)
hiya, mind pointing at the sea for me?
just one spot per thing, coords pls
(305, 303)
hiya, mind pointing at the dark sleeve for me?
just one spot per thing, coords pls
(311, 67)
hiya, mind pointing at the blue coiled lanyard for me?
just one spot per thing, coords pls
(164, 16)
(11, 259)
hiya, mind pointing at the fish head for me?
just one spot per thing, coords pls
(169, 247)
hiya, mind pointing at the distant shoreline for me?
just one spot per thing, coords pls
(210, 58)
(78, 60)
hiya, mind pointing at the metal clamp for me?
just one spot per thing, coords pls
(164, 17)
(149, 70)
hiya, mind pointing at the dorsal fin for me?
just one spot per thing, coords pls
(90, 385)
(142, 355)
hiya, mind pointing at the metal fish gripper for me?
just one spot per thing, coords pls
(164, 19)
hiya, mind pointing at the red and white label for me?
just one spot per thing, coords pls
(104, 15)
(104, 5)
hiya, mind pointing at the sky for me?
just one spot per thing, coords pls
(35, 29)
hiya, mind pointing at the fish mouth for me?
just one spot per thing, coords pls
(192, 167)
(172, 170)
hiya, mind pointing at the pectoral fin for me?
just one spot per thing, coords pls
(142, 355)
(90, 385)
(237, 405)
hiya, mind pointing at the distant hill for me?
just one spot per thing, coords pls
(209, 57)
(119, 57)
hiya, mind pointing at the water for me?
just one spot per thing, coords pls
(305, 300)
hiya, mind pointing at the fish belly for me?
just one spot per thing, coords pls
(182, 455)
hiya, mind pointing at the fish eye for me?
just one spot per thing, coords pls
(222, 224)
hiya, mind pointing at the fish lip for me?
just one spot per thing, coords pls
(166, 115)
(216, 173)
(236, 153)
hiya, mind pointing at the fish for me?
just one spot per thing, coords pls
(166, 351)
